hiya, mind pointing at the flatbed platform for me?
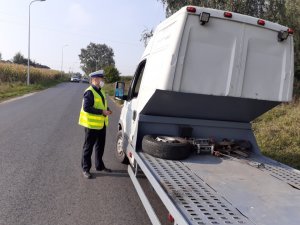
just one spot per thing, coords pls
(233, 192)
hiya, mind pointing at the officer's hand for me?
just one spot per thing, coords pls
(106, 112)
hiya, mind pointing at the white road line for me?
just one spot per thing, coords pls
(17, 98)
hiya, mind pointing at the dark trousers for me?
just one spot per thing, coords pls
(93, 138)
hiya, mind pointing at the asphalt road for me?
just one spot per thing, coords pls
(41, 181)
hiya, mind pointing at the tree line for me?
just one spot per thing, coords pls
(92, 58)
(20, 59)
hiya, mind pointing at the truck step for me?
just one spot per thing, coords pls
(196, 200)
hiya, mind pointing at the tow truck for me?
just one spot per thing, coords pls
(186, 120)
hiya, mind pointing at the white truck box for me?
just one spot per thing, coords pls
(225, 57)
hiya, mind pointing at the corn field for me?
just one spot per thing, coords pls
(11, 73)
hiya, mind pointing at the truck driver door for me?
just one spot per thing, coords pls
(131, 115)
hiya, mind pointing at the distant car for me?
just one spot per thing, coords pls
(75, 79)
(85, 80)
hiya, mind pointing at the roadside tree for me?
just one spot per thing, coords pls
(293, 20)
(95, 57)
(146, 35)
(19, 59)
(111, 74)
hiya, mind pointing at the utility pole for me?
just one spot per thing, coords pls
(28, 66)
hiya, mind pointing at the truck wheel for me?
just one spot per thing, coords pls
(166, 147)
(120, 153)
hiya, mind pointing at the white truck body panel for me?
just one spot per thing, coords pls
(226, 57)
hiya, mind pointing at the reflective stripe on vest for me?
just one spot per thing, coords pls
(94, 121)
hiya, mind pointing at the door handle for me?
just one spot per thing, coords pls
(134, 115)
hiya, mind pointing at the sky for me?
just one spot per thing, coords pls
(67, 26)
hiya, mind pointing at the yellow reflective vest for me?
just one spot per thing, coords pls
(94, 121)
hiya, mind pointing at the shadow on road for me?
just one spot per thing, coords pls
(114, 173)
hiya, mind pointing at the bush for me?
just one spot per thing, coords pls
(111, 74)
(297, 72)
(126, 78)
(296, 91)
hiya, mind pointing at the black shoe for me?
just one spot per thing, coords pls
(87, 174)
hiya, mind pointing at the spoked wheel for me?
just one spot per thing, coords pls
(120, 153)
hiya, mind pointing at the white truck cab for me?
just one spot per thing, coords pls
(209, 73)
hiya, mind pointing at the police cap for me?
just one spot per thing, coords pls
(99, 73)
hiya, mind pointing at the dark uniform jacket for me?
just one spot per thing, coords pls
(88, 101)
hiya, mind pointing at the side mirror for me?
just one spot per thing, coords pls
(119, 91)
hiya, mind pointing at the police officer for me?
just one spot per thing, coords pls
(94, 118)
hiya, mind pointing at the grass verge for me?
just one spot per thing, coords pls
(13, 79)
(11, 90)
(278, 133)
(109, 88)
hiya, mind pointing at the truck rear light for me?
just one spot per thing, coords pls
(228, 14)
(191, 9)
(282, 35)
(290, 31)
(261, 22)
(204, 18)
(171, 218)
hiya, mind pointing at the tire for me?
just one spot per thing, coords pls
(120, 153)
(174, 150)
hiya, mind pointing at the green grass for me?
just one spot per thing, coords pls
(13, 79)
(278, 131)
(109, 89)
(11, 90)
